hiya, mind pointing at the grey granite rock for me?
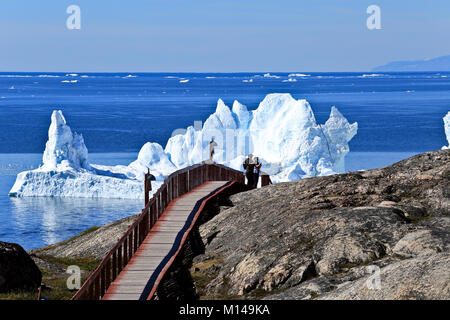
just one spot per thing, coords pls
(311, 238)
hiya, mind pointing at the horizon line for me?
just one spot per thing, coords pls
(220, 72)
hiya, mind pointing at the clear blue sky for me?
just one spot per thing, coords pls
(219, 35)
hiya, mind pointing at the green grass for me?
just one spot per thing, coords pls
(19, 295)
(202, 275)
(313, 295)
(87, 264)
(55, 282)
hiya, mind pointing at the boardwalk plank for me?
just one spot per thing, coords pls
(156, 247)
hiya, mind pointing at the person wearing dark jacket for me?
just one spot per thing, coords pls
(256, 172)
(249, 167)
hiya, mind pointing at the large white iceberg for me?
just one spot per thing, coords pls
(66, 171)
(447, 129)
(64, 149)
(282, 132)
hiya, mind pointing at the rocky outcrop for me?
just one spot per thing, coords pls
(17, 269)
(422, 277)
(91, 243)
(327, 237)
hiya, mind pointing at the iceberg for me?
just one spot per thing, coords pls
(282, 132)
(447, 129)
(299, 75)
(64, 149)
(152, 156)
(66, 171)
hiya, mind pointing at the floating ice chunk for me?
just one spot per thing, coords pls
(48, 76)
(373, 75)
(268, 75)
(152, 156)
(298, 75)
(447, 129)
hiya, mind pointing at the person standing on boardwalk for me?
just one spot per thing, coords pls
(212, 144)
(256, 171)
(249, 167)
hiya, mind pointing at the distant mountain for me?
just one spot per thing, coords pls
(436, 64)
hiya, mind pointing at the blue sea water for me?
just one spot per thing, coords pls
(399, 114)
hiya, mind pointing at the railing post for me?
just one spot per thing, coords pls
(102, 281)
(130, 246)
(114, 265)
(119, 258)
(170, 190)
(125, 252)
(147, 186)
(164, 198)
(91, 291)
(189, 180)
(97, 288)
(153, 214)
(136, 236)
(108, 274)
(196, 177)
(265, 179)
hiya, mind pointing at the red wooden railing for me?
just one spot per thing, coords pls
(175, 185)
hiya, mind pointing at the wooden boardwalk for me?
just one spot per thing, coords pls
(134, 266)
(141, 276)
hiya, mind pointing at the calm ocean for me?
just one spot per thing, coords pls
(399, 114)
